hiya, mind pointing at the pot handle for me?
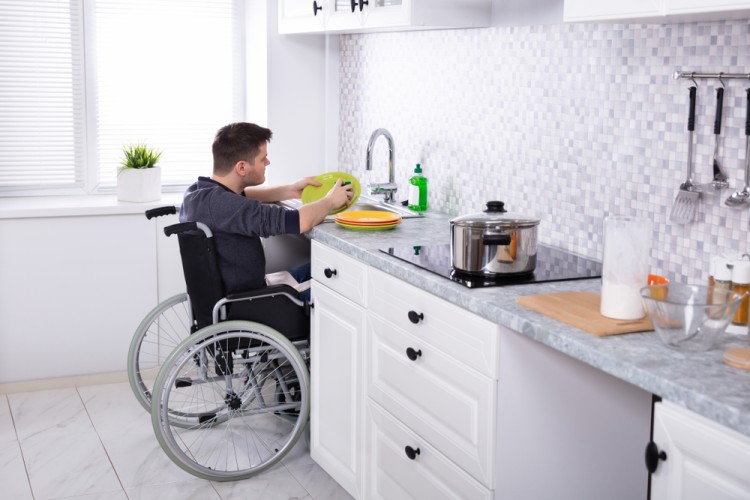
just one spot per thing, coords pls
(496, 239)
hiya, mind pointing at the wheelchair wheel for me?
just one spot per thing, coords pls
(159, 333)
(231, 401)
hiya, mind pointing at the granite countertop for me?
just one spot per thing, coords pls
(700, 382)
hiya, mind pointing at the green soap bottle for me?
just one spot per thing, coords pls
(418, 191)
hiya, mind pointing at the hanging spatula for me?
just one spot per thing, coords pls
(683, 209)
(720, 180)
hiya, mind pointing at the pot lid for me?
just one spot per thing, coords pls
(495, 215)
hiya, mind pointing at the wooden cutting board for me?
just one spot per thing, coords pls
(581, 310)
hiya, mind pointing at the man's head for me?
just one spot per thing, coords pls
(242, 147)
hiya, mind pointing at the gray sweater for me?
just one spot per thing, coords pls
(238, 223)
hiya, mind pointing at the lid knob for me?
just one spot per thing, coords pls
(495, 207)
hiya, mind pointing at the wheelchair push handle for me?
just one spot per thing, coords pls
(187, 226)
(158, 212)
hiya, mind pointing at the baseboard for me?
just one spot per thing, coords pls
(63, 382)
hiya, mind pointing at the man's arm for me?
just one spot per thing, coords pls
(271, 194)
(312, 214)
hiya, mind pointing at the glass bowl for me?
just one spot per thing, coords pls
(689, 317)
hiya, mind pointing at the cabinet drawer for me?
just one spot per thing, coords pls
(392, 474)
(338, 272)
(447, 404)
(465, 336)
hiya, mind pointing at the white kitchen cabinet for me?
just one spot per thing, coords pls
(302, 16)
(337, 16)
(654, 10)
(593, 10)
(702, 458)
(336, 337)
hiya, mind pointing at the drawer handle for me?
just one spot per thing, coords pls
(316, 8)
(415, 317)
(411, 452)
(653, 455)
(329, 272)
(412, 354)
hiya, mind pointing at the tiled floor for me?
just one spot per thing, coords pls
(96, 442)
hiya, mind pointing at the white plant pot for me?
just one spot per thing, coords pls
(139, 184)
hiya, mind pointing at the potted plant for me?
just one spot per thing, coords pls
(139, 178)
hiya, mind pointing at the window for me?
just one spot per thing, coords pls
(81, 78)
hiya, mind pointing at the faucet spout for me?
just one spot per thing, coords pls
(390, 188)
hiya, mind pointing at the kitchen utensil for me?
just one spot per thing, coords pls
(494, 243)
(686, 319)
(741, 198)
(720, 180)
(683, 209)
(327, 181)
(581, 310)
(627, 241)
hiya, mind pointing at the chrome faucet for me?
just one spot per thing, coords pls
(388, 189)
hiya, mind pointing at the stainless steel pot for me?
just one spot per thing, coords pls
(494, 243)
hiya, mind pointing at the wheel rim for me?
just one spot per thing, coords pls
(226, 426)
(154, 340)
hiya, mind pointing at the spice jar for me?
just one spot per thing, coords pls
(741, 285)
(721, 277)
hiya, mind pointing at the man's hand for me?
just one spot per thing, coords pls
(295, 188)
(313, 213)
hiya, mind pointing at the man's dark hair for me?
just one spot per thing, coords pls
(236, 142)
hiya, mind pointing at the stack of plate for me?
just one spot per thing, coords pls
(368, 220)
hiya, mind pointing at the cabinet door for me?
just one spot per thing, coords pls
(336, 387)
(701, 6)
(703, 459)
(342, 17)
(302, 16)
(589, 10)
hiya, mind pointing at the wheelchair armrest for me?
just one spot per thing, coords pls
(266, 292)
(158, 212)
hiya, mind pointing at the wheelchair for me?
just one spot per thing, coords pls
(225, 377)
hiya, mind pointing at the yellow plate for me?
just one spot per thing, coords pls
(313, 193)
(368, 217)
(379, 227)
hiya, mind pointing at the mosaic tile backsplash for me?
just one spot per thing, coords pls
(567, 122)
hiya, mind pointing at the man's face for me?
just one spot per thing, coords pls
(255, 170)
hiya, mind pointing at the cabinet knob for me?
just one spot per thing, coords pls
(415, 317)
(411, 452)
(412, 354)
(329, 272)
(316, 8)
(653, 455)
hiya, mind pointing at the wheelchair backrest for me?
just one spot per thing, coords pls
(201, 269)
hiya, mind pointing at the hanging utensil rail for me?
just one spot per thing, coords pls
(692, 75)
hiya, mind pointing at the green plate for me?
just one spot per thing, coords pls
(384, 227)
(313, 193)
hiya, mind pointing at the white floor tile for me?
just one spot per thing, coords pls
(7, 429)
(263, 487)
(63, 454)
(174, 491)
(318, 483)
(13, 479)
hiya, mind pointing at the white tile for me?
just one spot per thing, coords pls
(7, 429)
(63, 454)
(15, 483)
(318, 483)
(174, 491)
(263, 487)
(125, 429)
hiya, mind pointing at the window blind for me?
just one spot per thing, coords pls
(168, 74)
(41, 95)
(80, 79)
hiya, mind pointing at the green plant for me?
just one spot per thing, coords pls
(138, 156)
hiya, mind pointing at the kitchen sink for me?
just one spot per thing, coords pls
(365, 203)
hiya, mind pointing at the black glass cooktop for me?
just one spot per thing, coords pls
(552, 264)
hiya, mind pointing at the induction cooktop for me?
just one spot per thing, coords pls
(552, 264)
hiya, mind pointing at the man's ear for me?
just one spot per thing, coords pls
(240, 167)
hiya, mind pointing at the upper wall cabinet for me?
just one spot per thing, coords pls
(654, 10)
(362, 16)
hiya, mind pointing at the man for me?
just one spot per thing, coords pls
(233, 204)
